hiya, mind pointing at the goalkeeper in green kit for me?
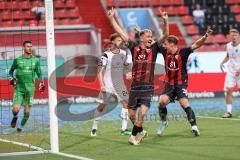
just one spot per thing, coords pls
(26, 67)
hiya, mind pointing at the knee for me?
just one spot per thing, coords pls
(101, 107)
(164, 100)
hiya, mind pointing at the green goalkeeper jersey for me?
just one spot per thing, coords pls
(26, 70)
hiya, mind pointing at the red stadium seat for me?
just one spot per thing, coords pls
(155, 2)
(182, 10)
(6, 15)
(222, 47)
(58, 4)
(20, 23)
(213, 47)
(74, 13)
(238, 18)
(165, 2)
(204, 48)
(171, 11)
(42, 22)
(9, 24)
(56, 22)
(71, 4)
(123, 3)
(62, 13)
(110, 3)
(77, 21)
(65, 22)
(14, 5)
(209, 40)
(230, 2)
(28, 15)
(192, 30)
(177, 2)
(37, 3)
(220, 38)
(3, 5)
(33, 23)
(26, 5)
(17, 15)
(187, 20)
(235, 9)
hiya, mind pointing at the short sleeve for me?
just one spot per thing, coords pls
(128, 59)
(186, 51)
(103, 60)
(160, 48)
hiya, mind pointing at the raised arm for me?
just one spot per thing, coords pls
(164, 16)
(201, 41)
(116, 26)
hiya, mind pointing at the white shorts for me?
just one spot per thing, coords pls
(111, 94)
(231, 80)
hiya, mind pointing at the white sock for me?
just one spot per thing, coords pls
(229, 108)
(124, 116)
(134, 137)
(96, 119)
(194, 127)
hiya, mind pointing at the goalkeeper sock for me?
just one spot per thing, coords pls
(14, 113)
(162, 113)
(24, 120)
(190, 115)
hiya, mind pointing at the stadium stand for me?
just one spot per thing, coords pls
(18, 13)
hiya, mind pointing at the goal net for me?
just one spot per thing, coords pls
(40, 134)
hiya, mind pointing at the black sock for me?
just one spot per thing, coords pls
(135, 130)
(190, 115)
(140, 129)
(162, 113)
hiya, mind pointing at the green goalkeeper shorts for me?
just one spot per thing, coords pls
(23, 95)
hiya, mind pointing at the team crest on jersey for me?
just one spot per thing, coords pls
(176, 56)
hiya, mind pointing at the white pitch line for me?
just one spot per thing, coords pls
(218, 118)
(72, 156)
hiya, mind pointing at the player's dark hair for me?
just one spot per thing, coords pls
(25, 42)
(172, 39)
(233, 30)
(114, 36)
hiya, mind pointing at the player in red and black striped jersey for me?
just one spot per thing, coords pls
(143, 57)
(177, 77)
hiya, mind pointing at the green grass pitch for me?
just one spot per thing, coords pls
(219, 140)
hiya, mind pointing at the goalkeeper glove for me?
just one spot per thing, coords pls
(41, 87)
(12, 81)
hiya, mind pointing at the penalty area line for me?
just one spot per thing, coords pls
(219, 118)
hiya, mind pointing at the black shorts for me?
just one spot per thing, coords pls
(177, 92)
(140, 95)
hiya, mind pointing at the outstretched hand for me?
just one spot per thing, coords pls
(164, 15)
(209, 31)
(111, 13)
(137, 28)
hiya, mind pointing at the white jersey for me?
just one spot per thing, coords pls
(114, 71)
(234, 57)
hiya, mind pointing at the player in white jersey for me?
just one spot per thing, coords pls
(110, 74)
(233, 72)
